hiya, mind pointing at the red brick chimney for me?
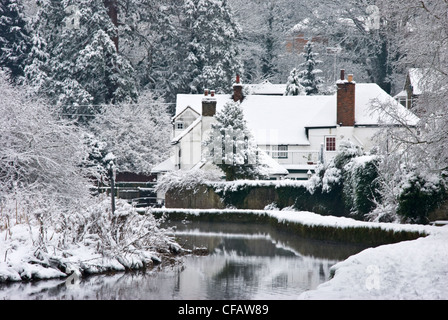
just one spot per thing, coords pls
(238, 90)
(209, 103)
(346, 101)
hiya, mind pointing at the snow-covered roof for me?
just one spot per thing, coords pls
(401, 94)
(272, 168)
(165, 166)
(278, 120)
(368, 93)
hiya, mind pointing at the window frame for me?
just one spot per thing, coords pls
(180, 125)
(330, 146)
(280, 151)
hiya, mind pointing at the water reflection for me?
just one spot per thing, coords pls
(244, 262)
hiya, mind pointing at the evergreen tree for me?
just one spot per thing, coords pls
(75, 60)
(149, 36)
(293, 86)
(309, 76)
(231, 145)
(15, 39)
(212, 57)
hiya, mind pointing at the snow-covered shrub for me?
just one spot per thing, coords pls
(406, 192)
(122, 233)
(419, 196)
(361, 188)
(332, 174)
(331, 179)
(272, 206)
(186, 179)
(348, 181)
(42, 177)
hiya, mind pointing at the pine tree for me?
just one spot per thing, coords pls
(293, 85)
(231, 145)
(15, 39)
(309, 76)
(212, 57)
(76, 62)
(149, 36)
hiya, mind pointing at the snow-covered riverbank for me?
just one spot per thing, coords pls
(416, 269)
(101, 241)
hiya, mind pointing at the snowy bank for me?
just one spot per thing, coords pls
(101, 242)
(410, 270)
(302, 218)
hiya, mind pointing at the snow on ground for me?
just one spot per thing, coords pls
(409, 270)
(416, 269)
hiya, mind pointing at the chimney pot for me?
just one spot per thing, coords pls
(237, 78)
(350, 78)
(209, 103)
(342, 74)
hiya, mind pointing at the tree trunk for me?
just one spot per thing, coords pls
(112, 10)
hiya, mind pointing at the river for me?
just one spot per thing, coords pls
(245, 261)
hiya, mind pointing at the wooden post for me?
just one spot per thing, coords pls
(112, 185)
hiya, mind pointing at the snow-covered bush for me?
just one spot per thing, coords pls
(122, 233)
(361, 188)
(419, 196)
(95, 240)
(137, 134)
(330, 176)
(186, 179)
(350, 177)
(42, 177)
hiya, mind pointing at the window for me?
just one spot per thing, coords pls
(179, 125)
(330, 143)
(280, 152)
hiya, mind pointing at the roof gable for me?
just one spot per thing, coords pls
(187, 111)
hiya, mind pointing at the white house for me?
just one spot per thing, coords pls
(294, 132)
(413, 86)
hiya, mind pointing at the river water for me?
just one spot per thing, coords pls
(245, 261)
